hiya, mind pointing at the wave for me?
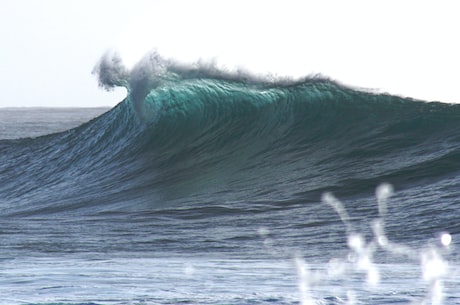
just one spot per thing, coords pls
(196, 135)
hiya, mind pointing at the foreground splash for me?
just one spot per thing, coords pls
(433, 266)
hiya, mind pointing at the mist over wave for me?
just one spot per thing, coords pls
(153, 70)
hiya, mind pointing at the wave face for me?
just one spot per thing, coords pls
(214, 144)
(196, 164)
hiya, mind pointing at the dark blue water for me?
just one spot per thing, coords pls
(207, 189)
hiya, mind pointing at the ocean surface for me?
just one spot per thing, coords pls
(200, 188)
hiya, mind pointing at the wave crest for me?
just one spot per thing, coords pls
(153, 71)
(232, 135)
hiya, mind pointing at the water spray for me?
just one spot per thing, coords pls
(433, 266)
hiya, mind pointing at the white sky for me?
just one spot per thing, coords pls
(48, 48)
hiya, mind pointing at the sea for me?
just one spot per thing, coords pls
(201, 188)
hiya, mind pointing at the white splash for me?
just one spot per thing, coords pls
(433, 267)
(304, 275)
(446, 239)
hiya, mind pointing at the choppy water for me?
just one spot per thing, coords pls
(208, 189)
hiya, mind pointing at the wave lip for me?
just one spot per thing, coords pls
(153, 70)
